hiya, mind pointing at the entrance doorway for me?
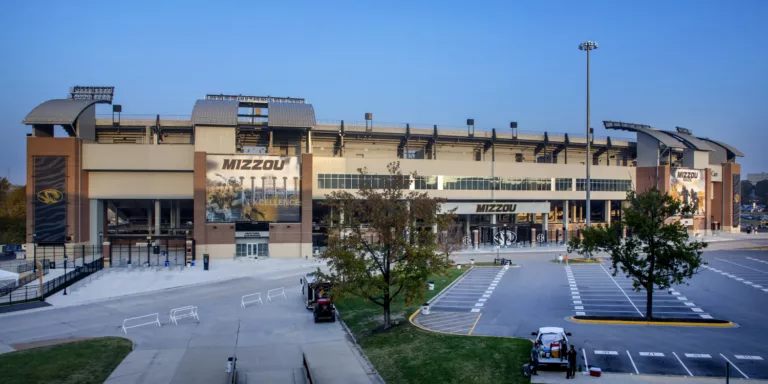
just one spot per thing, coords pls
(257, 249)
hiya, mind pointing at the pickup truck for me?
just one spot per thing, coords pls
(553, 343)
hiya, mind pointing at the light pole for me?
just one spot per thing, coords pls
(588, 46)
(34, 253)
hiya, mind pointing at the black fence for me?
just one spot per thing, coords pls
(76, 255)
(25, 279)
(158, 255)
(524, 236)
(32, 292)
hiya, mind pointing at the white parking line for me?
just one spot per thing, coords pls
(580, 314)
(681, 363)
(747, 357)
(652, 354)
(625, 294)
(475, 310)
(743, 266)
(698, 356)
(478, 304)
(577, 301)
(633, 363)
(606, 353)
(733, 365)
(576, 297)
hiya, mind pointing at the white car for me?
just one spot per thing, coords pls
(553, 343)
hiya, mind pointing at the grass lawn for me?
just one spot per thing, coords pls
(407, 354)
(86, 361)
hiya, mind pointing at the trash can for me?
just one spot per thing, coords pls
(206, 261)
(52, 264)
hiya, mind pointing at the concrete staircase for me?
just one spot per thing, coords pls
(295, 376)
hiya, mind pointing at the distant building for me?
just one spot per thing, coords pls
(755, 178)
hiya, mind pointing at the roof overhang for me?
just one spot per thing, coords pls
(732, 151)
(63, 112)
(690, 141)
(291, 115)
(215, 112)
(661, 137)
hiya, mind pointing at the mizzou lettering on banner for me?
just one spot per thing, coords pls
(490, 208)
(255, 165)
(687, 175)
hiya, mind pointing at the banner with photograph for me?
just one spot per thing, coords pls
(689, 186)
(736, 200)
(252, 188)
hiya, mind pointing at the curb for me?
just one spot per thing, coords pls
(654, 323)
(370, 368)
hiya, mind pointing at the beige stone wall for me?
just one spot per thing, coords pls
(214, 140)
(132, 157)
(140, 185)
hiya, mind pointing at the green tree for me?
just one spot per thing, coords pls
(746, 191)
(659, 253)
(761, 191)
(381, 240)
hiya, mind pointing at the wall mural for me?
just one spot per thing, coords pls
(689, 186)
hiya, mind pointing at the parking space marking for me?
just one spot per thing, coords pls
(706, 316)
(606, 353)
(681, 363)
(743, 280)
(747, 357)
(580, 314)
(758, 260)
(633, 363)
(733, 365)
(475, 310)
(740, 265)
(652, 354)
(625, 294)
(698, 356)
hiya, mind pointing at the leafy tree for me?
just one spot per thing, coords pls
(449, 240)
(746, 191)
(382, 243)
(659, 253)
(761, 191)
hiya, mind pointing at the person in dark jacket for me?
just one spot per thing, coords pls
(535, 359)
(570, 373)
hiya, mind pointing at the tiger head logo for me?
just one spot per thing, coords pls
(50, 196)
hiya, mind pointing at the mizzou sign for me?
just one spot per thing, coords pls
(493, 208)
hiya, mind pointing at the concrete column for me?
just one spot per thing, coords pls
(149, 220)
(468, 218)
(309, 141)
(157, 217)
(607, 212)
(96, 219)
(493, 222)
(545, 222)
(476, 237)
(177, 217)
(533, 237)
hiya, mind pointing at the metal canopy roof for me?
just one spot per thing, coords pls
(291, 115)
(667, 140)
(59, 112)
(732, 152)
(690, 141)
(215, 112)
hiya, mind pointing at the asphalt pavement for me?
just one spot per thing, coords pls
(543, 293)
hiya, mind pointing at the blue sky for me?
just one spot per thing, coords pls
(699, 64)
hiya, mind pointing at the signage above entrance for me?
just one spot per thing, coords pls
(482, 208)
(252, 234)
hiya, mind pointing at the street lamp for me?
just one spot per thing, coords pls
(65, 270)
(588, 46)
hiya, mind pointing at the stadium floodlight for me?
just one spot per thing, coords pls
(684, 130)
(588, 46)
(80, 92)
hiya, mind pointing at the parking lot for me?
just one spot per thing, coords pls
(747, 270)
(596, 292)
(458, 309)
(546, 293)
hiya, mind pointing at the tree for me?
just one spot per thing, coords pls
(449, 240)
(761, 191)
(746, 191)
(381, 240)
(659, 253)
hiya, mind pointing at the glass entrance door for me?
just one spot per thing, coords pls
(257, 249)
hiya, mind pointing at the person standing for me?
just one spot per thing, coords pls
(535, 359)
(570, 373)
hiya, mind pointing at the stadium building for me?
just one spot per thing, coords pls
(246, 175)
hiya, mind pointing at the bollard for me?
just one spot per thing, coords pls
(431, 285)
(229, 365)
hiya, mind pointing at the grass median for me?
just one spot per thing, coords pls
(78, 362)
(407, 354)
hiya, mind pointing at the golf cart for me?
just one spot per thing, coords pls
(553, 343)
(312, 290)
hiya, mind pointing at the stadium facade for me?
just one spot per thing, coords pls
(246, 175)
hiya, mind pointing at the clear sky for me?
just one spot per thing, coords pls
(699, 64)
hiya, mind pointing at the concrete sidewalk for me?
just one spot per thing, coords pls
(545, 377)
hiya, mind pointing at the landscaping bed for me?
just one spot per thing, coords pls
(661, 320)
(407, 354)
(78, 362)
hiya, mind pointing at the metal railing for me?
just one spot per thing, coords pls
(32, 292)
